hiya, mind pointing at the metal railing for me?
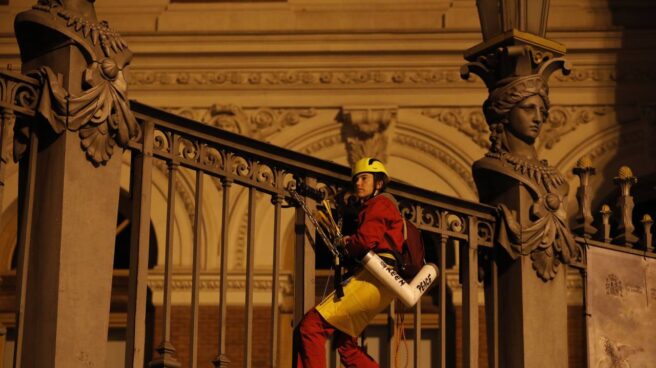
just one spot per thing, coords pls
(263, 169)
(238, 164)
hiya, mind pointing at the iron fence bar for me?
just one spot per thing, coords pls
(275, 314)
(168, 267)
(442, 327)
(7, 120)
(26, 207)
(392, 338)
(469, 270)
(166, 349)
(304, 273)
(221, 359)
(140, 196)
(417, 326)
(334, 360)
(195, 281)
(250, 260)
(494, 323)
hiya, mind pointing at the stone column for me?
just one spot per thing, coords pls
(532, 316)
(532, 241)
(82, 116)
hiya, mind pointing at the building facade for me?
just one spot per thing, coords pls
(339, 80)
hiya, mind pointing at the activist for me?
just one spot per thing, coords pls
(364, 295)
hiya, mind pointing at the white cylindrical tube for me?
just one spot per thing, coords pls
(408, 293)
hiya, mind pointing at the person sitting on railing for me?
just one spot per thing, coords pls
(364, 295)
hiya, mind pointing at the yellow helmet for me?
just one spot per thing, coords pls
(370, 165)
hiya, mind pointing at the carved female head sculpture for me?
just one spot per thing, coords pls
(517, 106)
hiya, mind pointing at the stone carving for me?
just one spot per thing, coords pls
(100, 113)
(471, 122)
(277, 78)
(18, 95)
(515, 110)
(260, 123)
(364, 130)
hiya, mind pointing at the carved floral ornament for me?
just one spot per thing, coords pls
(100, 113)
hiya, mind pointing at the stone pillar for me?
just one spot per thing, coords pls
(533, 242)
(81, 116)
(532, 311)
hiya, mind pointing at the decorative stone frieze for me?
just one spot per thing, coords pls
(296, 78)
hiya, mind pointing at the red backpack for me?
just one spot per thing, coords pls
(412, 256)
(411, 259)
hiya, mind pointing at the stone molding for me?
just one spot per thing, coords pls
(337, 77)
(286, 78)
(421, 145)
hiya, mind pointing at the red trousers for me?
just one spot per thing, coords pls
(311, 335)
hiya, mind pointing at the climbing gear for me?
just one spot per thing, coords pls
(332, 241)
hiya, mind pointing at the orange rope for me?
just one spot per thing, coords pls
(400, 328)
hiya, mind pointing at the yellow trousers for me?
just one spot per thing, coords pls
(364, 297)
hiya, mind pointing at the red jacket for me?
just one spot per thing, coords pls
(379, 215)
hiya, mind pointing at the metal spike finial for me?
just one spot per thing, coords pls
(625, 204)
(584, 218)
(605, 220)
(647, 222)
